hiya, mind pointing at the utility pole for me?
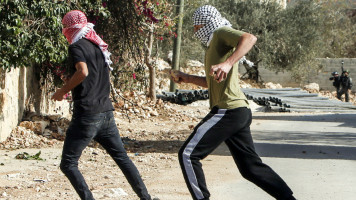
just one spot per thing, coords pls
(177, 42)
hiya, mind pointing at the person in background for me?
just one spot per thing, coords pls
(230, 116)
(336, 81)
(346, 85)
(93, 117)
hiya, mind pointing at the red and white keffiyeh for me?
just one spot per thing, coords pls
(76, 26)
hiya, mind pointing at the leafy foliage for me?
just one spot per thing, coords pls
(191, 48)
(127, 31)
(27, 156)
(30, 33)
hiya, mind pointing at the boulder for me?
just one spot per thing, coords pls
(312, 87)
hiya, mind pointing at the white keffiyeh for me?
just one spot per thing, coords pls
(211, 18)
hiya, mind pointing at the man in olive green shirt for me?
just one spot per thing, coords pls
(230, 117)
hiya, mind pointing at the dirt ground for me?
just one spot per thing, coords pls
(151, 143)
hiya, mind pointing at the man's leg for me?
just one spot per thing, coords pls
(110, 139)
(207, 136)
(339, 94)
(347, 97)
(78, 136)
(250, 164)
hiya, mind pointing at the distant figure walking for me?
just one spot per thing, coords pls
(346, 85)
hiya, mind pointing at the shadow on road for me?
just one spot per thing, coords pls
(263, 149)
(306, 137)
(346, 120)
(305, 151)
(298, 151)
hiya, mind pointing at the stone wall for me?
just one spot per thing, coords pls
(19, 90)
(320, 76)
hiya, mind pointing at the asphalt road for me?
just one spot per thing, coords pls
(314, 153)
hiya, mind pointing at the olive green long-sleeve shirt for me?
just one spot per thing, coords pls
(226, 94)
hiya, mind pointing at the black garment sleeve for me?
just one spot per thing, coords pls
(76, 53)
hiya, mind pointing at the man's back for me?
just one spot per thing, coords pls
(346, 82)
(92, 95)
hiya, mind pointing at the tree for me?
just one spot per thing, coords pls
(133, 29)
(31, 35)
(191, 48)
(290, 39)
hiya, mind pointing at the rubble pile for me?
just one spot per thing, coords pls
(136, 105)
(41, 131)
(22, 137)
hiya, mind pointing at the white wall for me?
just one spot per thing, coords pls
(16, 88)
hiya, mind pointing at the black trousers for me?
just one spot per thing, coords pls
(102, 128)
(233, 128)
(343, 91)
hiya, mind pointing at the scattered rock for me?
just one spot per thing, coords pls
(312, 88)
(271, 85)
(4, 194)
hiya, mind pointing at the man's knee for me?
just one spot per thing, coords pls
(66, 166)
(184, 156)
(248, 171)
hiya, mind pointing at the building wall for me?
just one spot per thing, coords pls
(320, 76)
(331, 65)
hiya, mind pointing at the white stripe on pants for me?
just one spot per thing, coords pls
(190, 147)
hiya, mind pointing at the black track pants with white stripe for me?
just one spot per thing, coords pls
(232, 127)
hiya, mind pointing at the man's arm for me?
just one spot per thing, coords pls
(78, 77)
(187, 78)
(244, 45)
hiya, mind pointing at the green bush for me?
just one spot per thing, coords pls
(31, 33)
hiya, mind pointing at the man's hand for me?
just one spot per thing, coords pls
(58, 95)
(70, 83)
(220, 71)
(179, 77)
